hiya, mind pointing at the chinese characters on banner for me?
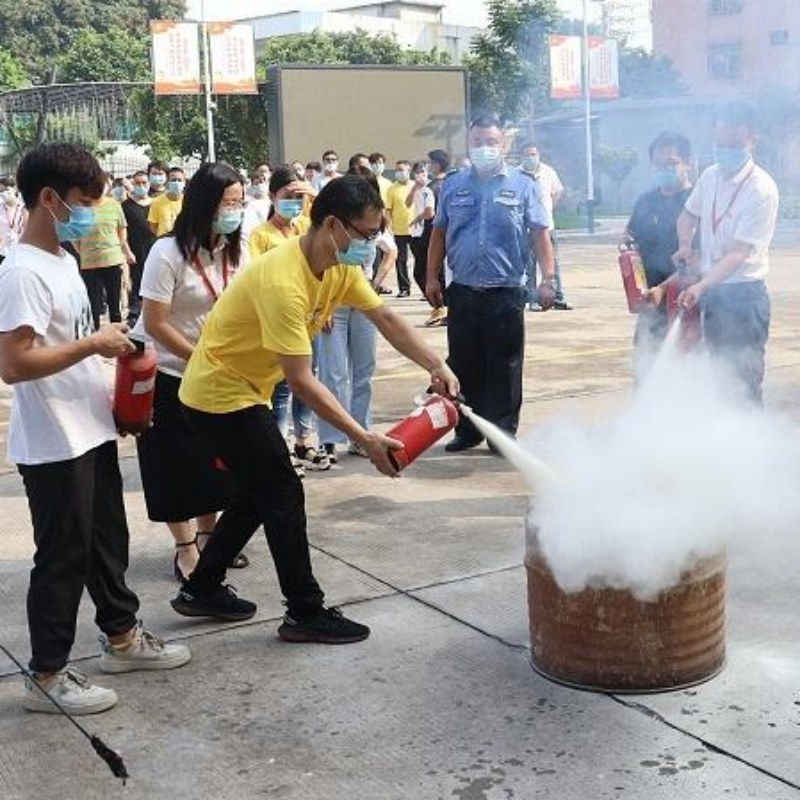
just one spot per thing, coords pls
(176, 57)
(566, 68)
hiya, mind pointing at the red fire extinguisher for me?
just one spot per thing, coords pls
(634, 279)
(691, 320)
(134, 388)
(424, 426)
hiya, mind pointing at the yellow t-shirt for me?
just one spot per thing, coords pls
(163, 213)
(384, 184)
(274, 307)
(268, 235)
(399, 214)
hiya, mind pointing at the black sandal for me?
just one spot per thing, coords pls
(239, 561)
(179, 576)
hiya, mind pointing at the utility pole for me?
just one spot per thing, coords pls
(210, 105)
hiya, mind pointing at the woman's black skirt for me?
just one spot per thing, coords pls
(179, 476)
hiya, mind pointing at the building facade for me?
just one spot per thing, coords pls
(731, 48)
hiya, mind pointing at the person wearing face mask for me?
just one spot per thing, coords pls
(330, 168)
(488, 221)
(184, 275)
(377, 163)
(62, 438)
(104, 257)
(287, 220)
(422, 202)
(140, 238)
(551, 189)
(734, 206)
(400, 216)
(652, 228)
(258, 203)
(260, 332)
(312, 173)
(164, 210)
(157, 177)
(12, 216)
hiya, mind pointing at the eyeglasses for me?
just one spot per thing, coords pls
(367, 237)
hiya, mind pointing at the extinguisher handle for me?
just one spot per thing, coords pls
(138, 344)
(458, 398)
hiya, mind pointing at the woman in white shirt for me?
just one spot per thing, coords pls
(423, 203)
(184, 275)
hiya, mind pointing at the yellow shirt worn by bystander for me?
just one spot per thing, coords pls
(268, 235)
(400, 214)
(163, 213)
(275, 307)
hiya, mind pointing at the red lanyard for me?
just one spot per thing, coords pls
(717, 220)
(204, 275)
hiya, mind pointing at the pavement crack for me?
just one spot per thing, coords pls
(714, 748)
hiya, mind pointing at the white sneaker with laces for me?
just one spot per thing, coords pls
(356, 449)
(144, 651)
(74, 693)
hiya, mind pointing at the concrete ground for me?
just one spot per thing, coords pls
(441, 701)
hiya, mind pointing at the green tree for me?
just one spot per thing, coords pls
(508, 63)
(111, 56)
(616, 163)
(641, 74)
(12, 73)
(39, 30)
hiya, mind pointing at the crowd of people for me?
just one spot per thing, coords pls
(263, 299)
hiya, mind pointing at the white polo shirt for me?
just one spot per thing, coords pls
(735, 208)
(550, 184)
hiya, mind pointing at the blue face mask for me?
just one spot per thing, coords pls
(486, 159)
(258, 190)
(666, 178)
(289, 208)
(359, 253)
(79, 225)
(731, 159)
(227, 222)
(119, 193)
(157, 181)
(140, 191)
(530, 163)
(175, 187)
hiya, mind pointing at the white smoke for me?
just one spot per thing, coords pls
(684, 470)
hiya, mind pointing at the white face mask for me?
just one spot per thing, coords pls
(330, 167)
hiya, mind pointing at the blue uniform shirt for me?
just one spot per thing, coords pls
(487, 226)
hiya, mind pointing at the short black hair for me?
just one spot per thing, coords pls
(193, 227)
(419, 166)
(60, 166)
(440, 157)
(281, 176)
(159, 166)
(330, 153)
(682, 145)
(487, 120)
(355, 158)
(737, 115)
(263, 164)
(315, 165)
(527, 144)
(375, 157)
(402, 161)
(138, 173)
(8, 181)
(176, 169)
(346, 198)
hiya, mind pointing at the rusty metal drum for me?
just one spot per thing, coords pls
(607, 640)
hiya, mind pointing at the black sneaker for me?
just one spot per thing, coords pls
(222, 603)
(327, 626)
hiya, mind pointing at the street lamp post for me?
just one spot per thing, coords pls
(587, 119)
(212, 153)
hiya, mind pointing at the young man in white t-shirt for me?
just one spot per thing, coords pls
(63, 439)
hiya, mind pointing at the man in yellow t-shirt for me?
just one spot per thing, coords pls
(164, 209)
(259, 331)
(400, 215)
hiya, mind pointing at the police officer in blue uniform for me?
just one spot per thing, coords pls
(488, 219)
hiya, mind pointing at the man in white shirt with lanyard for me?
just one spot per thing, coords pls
(735, 205)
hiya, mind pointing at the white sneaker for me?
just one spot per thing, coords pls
(73, 692)
(145, 651)
(356, 449)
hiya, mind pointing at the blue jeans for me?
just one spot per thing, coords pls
(302, 415)
(346, 367)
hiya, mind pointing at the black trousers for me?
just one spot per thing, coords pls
(104, 283)
(134, 298)
(486, 341)
(736, 319)
(81, 538)
(250, 444)
(401, 266)
(419, 247)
